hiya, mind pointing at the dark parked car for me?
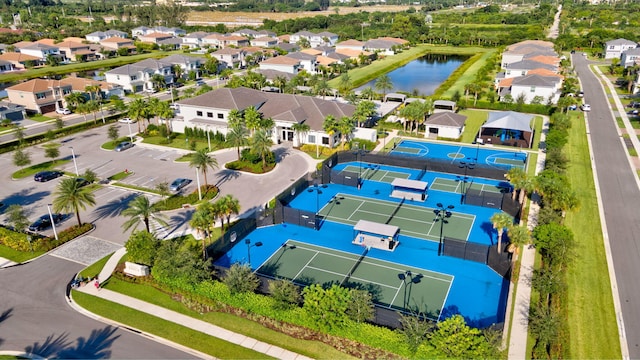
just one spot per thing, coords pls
(44, 222)
(43, 176)
(82, 182)
(179, 183)
(124, 146)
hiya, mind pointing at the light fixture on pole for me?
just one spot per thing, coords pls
(249, 246)
(198, 183)
(318, 190)
(75, 165)
(442, 214)
(468, 164)
(53, 223)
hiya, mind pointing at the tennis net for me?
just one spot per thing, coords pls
(355, 266)
(395, 211)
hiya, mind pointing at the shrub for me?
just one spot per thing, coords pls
(240, 279)
(176, 201)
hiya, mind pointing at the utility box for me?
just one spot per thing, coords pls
(134, 269)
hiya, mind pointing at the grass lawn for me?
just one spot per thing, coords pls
(166, 329)
(475, 119)
(18, 256)
(33, 169)
(94, 269)
(589, 289)
(468, 76)
(133, 187)
(180, 142)
(537, 132)
(119, 176)
(184, 158)
(39, 118)
(313, 349)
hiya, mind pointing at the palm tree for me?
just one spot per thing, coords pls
(345, 83)
(299, 129)
(70, 196)
(203, 220)
(153, 106)
(322, 88)
(202, 160)
(238, 136)
(501, 221)
(177, 71)
(518, 236)
(516, 177)
(141, 209)
(368, 93)
(138, 110)
(384, 84)
(261, 145)
(330, 126)
(164, 111)
(75, 99)
(158, 81)
(252, 119)
(229, 205)
(345, 127)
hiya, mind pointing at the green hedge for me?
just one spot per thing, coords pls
(18, 240)
(176, 201)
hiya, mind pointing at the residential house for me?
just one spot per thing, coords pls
(45, 41)
(613, 49)
(272, 76)
(288, 47)
(222, 41)
(20, 61)
(41, 51)
(13, 112)
(307, 62)
(70, 51)
(529, 87)
(172, 43)
(115, 43)
(98, 36)
(323, 38)
(39, 95)
(248, 33)
(138, 77)
(195, 39)
(143, 30)
(210, 111)
(265, 33)
(281, 63)
(264, 42)
(186, 63)
(522, 68)
(384, 47)
(154, 37)
(231, 58)
(351, 44)
(445, 124)
(630, 57)
(80, 85)
(6, 66)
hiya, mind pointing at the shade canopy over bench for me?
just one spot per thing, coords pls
(409, 189)
(376, 228)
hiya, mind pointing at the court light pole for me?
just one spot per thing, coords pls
(442, 215)
(198, 183)
(249, 246)
(318, 190)
(53, 223)
(468, 164)
(75, 164)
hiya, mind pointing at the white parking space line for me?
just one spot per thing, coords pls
(164, 155)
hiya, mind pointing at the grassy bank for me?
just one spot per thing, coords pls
(591, 317)
(469, 74)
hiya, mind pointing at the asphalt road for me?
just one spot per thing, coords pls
(36, 318)
(620, 199)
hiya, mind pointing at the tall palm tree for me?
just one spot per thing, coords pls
(252, 119)
(261, 145)
(518, 236)
(74, 99)
(345, 83)
(345, 127)
(330, 126)
(154, 107)
(299, 129)
(141, 209)
(70, 196)
(202, 160)
(138, 110)
(238, 136)
(384, 84)
(322, 88)
(229, 205)
(177, 71)
(203, 220)
(501, 221)
(516, 176)
(164, 111)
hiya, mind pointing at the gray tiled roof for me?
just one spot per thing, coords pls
(620, 42)
(535, 80)
(272, 74)
(447, 118)
(301, 56)
(379, 44)
(530, 65)
(182, 59)
(132, 69)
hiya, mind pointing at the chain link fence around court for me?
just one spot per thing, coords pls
(485, 254)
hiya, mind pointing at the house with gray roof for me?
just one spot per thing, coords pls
(385, 47)
(194, 39)
(97, 36)
(186, 63)
(322, 38)
(143, 30)
(630, 57)
(308, 62)
(138, 76)
(210, 111)
(534, 87)
(508, 128)
(445, 124)
(613, 49)
(522, 68)
(40, 50)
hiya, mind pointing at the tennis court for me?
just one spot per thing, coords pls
(391, 285)
(498, 158)
(455, 186)
(414, 221)
(375, 173)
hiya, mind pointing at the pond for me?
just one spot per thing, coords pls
(423, 75)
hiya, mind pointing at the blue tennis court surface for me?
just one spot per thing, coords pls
(476, 291)
(498, 158)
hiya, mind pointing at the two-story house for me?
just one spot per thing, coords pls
(545, 88)
(281, 63)
(307, 62)
(195, 39)
(139, 76)
(39, 95)
(154, 37)
(97, 36)
(264, 42)
(613, 49)
(186, 63)
(630, 57)
(73, 51)
(115, 43)
(351, 44)
(229, 57)
(41, 51)
(143, 30)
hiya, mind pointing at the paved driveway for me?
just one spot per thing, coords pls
(620, 198)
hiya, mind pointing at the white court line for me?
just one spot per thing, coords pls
(305, 265)
(446, 296)
(356, 210)
(455, 157)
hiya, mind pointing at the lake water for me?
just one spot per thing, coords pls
(423, 75)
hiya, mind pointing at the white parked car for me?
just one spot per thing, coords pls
(63, 111)
(126, 120)
(585, 107)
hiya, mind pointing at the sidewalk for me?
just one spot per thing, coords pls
(177, 318)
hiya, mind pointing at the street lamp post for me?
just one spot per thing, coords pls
(468, 164)
(53, 223)
(249, 246)
(130, 133)
(442, 214)
(75, 164)
(198, 183)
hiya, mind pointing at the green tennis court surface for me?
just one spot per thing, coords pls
(409, 150)
(504, 161)
(414, 221)
(376, 174)
(450, 185)
(309, 264)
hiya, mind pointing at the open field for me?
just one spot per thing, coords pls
(256, 18)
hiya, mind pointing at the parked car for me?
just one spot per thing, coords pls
(585, 107)
(178, 184)
(581, 94)
(126, 120)
(82, 182)
(43, 176)
(63, 111)
(573, 107)
(44, 222)
(124, 146)
(200, 82)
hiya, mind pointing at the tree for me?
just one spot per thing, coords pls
(18, 133)
(229, 205)
(141, 209)
(555, 243)
(344, 85)
(501, 221)
(300, 129)
(252, 119)
(454, 339)
(240, 279)
(52, 151)
(70, 196)
(345, 127)
(177, 260)
(163, 189)
(361, 306)
(261, 145)
(516, 176)
(326, 307)
(90, 176)
(285, 293)
(322, 88)
(113, 133)
(384, 84)
(138, 110)
(202, 160)
(21, 158)
(518, 237)
(364, 110)
(17, 217)
(330, 126)
(415, 330)
(203, 220)
(75, 99)
(237, 135)
(142, 247)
